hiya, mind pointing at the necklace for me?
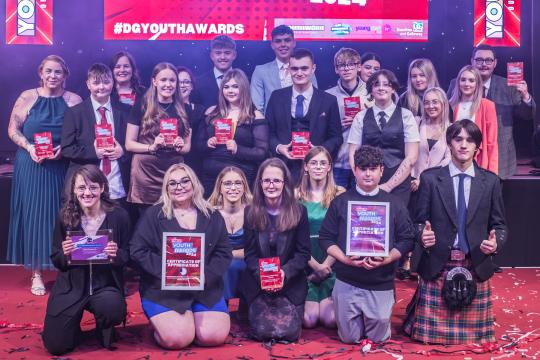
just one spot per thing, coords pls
(165, 108)
(232, 220)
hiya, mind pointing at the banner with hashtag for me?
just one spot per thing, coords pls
(29, 22)
(372, 20)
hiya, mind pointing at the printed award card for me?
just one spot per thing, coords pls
(367, 228)
(169, 129)
(300, 144)
(223, 129)
(90, 249)
(43, 145)
(270, 271)
(182, 265)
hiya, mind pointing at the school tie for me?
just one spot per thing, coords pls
(382, 119)
(462, 215)
(299, 112)
(485, 91)
(105, 162)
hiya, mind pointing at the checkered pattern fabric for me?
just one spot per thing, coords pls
(429, 320)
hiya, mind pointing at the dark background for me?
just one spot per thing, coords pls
(78, 38)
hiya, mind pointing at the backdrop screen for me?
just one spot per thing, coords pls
(366, 20)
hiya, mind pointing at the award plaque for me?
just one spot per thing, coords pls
(169, 129)
(300, 144)
(104, 136)
(182, 261)
(367, 228)
(270, 271)
(43, 145)
(514, 73)
(352, 106)
(90, 249)
(223, 129)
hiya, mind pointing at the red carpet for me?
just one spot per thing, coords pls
(516, 302)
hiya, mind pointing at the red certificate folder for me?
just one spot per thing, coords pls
(300, 144)
(352, 105)
(169, 129)
(182, 262)
(514, 73)
(43, 145)
(128, 99)
(223, 129)
(270, 271)
(104, 136)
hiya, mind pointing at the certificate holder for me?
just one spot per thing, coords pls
(90, 249)
(182, 261)
(368, 228)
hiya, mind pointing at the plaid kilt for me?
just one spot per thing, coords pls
(428, 320)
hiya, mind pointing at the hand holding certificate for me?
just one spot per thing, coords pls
(368, 229)
(182, 259)
(300, 144)
(43, 145)
(85, 249)
(271, 274)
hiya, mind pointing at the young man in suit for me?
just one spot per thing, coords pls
(78, 139)
(302, 108)
(363, 294)
(275, 74)
(512, 103)
(222, 54)
(461, 212)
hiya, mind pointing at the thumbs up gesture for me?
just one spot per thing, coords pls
(489, 246)
(428, 236)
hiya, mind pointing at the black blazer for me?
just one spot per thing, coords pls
(206, 90)
(437, 204)
(78, 136)
(294, 251)
(323, 115)
(146, 249)
(69, 288)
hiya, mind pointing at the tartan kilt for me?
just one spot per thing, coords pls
(427, 319)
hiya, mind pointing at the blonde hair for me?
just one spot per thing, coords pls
(197, 199)
(345, 54)
(331, 190)
(153, 112)
(247, 109)
(412, 96)
(478, 91)
(56, 59)
(216, 199)
(445, 113)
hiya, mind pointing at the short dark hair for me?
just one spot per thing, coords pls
(368, 156)
(282, 30)
(469, 126)
(484, 47)
(302, 53)
(181, 68)
(371, 56)
(99, 71)
(222, 42)
(392, 79)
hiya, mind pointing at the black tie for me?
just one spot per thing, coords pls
(299, 110)
(382, 119)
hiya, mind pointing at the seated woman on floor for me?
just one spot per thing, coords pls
(181, 316)
(97, 288)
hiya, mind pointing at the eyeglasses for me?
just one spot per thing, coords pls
(315, 163)
(487, 61)
(229, 184)
(183, 183)
(432, 102)
(185, 82)
(275, 182)
(347, 66)
(93, 189)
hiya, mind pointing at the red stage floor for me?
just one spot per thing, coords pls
(516, 302)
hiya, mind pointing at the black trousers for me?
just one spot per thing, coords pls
(62, 333)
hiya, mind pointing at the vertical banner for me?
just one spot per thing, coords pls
(497, 22)
(29, 22)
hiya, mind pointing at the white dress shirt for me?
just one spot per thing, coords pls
(219, 76)
(116, 188)
(284, 74)
(371, 193)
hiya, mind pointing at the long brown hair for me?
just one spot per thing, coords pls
(216, 199)
(70, 213)
(153, 111)
(135, 80)
(303, 191)
(477, 96)
(290, 210)
(247, 109)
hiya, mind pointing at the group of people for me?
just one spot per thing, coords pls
(433, 158)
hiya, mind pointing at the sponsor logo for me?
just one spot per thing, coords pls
(341, 29)
(387, 28)
(418, 26)
(26, 18)
(494, 19)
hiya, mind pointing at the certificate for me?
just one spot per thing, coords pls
(169, 129)
(367, 228)
(270, 271)
(223, 130)
(182, 262)
(90, 249)
(43, 145)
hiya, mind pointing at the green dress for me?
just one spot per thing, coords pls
(318, 291)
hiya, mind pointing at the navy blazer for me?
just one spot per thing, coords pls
(78, 136)
(206, 90)
(485, 212)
